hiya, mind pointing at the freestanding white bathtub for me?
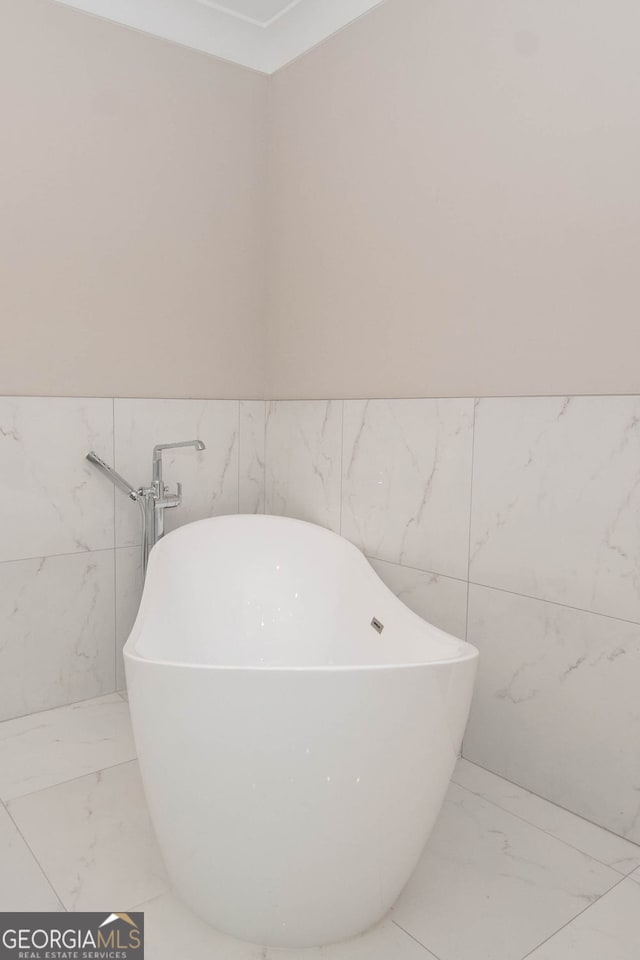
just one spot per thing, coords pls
(294, 758)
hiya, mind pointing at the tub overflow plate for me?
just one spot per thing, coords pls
(375, 623)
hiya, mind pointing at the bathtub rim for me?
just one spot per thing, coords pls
(469, 657)
(466, 653)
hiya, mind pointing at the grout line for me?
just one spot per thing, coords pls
(50, 556)
(264, 456)
(513, 593)
(552, 803)
(66, 396)
(264, 453)
(569, 922)
(59, 706)
(115, 622)
(141, 905)
(36, 861)
(406, 566)
(341, 462)
(298, 399)
(536, 826)
(115, 571)
(281, 399)
(113, 461)
(239, 450)
(473, 451)
(415, 939)
(556, 603)
(466, 612)
(467, 396)
(63, 783)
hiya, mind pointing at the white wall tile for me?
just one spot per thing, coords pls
(129, 583)
(209, 478)
(57, 631)
(556, 500)
(556, 706)
(303, 460)
(407, 481)
(252, 429)
(52, 500)
(439, 600)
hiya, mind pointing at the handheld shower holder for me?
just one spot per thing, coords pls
(152, 500)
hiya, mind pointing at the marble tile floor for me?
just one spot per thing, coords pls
(505, 875)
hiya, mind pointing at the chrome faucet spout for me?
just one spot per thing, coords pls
(162, 499)
(159, 447)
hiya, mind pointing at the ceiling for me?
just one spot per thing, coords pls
(258, 11)
(261, 34)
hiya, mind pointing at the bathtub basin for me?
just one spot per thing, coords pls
(296, 726)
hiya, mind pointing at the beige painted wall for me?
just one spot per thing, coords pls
(131, 212)
(451, 207)
(455, 204)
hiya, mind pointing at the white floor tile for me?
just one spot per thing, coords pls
(609, 930)
(506, 875)
(23, 886)
(93, 839)
(606, 847)
(172, 931)
(492, 887)
(48, 748)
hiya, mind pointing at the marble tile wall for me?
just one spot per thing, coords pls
(407, 481)
(393, 476)
(514, 522)
(302, 472)
(70, 576)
